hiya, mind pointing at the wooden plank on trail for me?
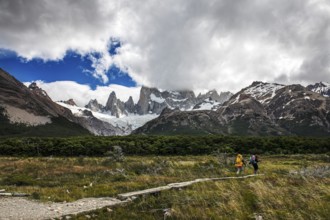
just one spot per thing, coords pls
(5, 194)
(124, 196)
(15, 194)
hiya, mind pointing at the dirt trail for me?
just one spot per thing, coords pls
(16, 208)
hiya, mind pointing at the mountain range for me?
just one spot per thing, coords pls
(259, 109)
(128, 116)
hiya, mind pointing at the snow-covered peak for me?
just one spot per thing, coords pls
(322, 87)
(94, 105)
(263, 92)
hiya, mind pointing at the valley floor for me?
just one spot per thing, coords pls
(293, 187)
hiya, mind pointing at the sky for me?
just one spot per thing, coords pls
(103, 45)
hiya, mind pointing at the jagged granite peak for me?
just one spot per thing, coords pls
(179, 94)
(225, 96)
(70, 102)
(154, 101)
(211, 95)
(143, 105)
(182, 99)
(322, 87)
(211, 100)
(112, 100)
(214, 95)
(94, 105)
(115, 106)
(38, 91)
(129, 105)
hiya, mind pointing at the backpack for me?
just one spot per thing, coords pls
(253, 159)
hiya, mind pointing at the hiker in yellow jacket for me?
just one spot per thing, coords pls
(239, 163)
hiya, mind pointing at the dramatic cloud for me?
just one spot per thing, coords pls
(82, 94)
(179, 44)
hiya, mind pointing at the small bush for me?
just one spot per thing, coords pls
(19, 180)
(35, 195)
(116, 153)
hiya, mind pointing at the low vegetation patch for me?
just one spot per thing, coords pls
(161, 145)
(293, 187)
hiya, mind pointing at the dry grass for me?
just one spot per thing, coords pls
(293, 187)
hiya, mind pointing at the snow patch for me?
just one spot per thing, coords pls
(126, 122)
(207, 104)
(236, 99)
(74, 109)
(156, 99)
(132, 121)
(289, 102)
(175, 93)
(179, 100)
(263, 92)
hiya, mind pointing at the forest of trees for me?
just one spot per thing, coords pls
(161, 145)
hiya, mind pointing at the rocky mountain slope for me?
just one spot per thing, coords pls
(322, 87)
(260, 109)
(30, 111)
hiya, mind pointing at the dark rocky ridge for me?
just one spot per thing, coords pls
(34, 102)
(260, 109)
(70, 102)
(32, 99)
(321, 87)
(94, 106)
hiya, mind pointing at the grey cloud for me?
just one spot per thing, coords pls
(179, 44)
(51, 27)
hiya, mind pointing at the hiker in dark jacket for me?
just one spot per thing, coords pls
(254, 161)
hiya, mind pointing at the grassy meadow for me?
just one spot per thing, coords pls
(293, 187)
